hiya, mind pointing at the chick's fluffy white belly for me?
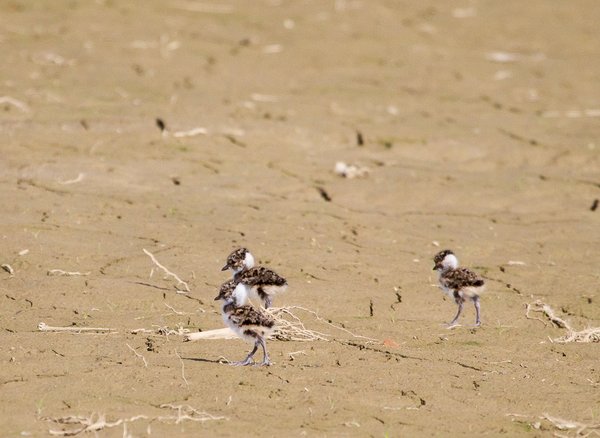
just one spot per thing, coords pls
(240, 331)
(241, 294)
(471, 291)
(269, 290)
(465, 292)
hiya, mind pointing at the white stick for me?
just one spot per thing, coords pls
(96, 422)
(175, 311)
(292, 354)
(14, 102)
(186, 412)
(224, 333)
(138, 355)
(182, 368)
(43, 327)
(142, 330)
(169, 273)
(190, 133)
(62, 273)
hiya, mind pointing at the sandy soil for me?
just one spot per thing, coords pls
(480, 128)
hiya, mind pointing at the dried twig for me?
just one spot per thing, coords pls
(190, 133)
(579, 429)
(43, 327)
(162, 331)
(187, 413)
(288, 327)
(562, 424)
(321, 319)
(527, 310)
(591, 334)
(60, 272)
(167, 272)
(14, 102)
(539, 306)
(182, 368)
(142, 330)
(96, 422)
(138, 355)
(224, 333)
(93, 423)
(175, 311)
(293, 353)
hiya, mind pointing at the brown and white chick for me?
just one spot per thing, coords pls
(254, 281)
(244, 320)
(260, 282)
(238, 260)
(462, 284)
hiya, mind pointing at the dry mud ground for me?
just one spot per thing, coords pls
(480, 128)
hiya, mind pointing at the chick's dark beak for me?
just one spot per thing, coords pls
(224, 268)
(218, 297)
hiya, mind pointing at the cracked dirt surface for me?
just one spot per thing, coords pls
(479, 125)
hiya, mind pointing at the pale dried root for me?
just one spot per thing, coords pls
(591, 334)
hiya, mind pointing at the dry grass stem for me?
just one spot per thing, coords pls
(579, 429)
(166, 331)
(175, 311)
(290, 328)
(60, 272)
(288, 311)
(93, 423)
(188, 413)
(142, 330)
(591, 334)
(96, 422)
(294, 353)
(138, 355)
(191, 133)
(167, 272)
(14, 102)
(562, 424)
(182, 368)
(539, 306)
(43, 327)
(162, 331)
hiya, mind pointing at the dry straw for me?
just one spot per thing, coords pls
(168, 273)
(96, 422)
(570, 427)
(288, 327)
(591, 334)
